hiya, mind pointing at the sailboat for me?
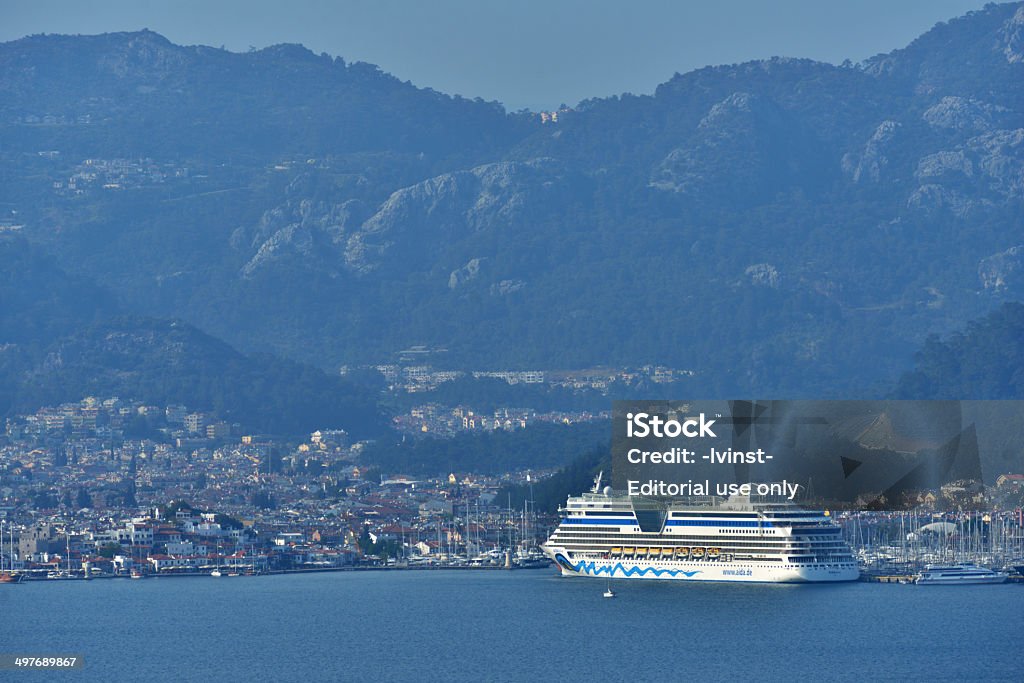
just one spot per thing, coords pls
(216, 570)
(8, 576)
(608, 592)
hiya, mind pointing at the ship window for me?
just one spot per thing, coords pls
(650, 520)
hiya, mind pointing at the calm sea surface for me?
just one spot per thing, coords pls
(511, 626)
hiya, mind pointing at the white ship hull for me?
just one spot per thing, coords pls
(750, 572)
(962, 581)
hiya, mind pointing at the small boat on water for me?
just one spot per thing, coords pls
(958, 574)
(608, 592)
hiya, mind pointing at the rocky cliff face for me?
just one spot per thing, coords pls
(1004, 270)
(452, 207)
(466, 273)
(983, 171)
(1011, 38)
(965, 114)
(303, 231)
(743, 149)
(348, 237)
(869, 164)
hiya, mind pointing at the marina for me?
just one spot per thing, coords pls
(902, 547)
(759, 539)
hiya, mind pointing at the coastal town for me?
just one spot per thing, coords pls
(85, 492)
(114, 487)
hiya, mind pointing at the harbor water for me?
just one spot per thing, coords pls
(526, 625)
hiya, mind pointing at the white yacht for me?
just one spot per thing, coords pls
(744, 538)
(954, 574)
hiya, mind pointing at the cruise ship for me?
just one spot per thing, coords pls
(959, 574)
(742, 538)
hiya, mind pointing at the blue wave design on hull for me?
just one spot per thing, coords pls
(594, 570)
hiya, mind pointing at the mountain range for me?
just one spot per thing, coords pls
(783, 228)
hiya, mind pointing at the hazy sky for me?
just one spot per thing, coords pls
(524, 53)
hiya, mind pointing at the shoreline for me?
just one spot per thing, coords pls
(28, 578)
(864, 578)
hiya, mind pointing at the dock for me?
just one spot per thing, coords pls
(910, 578)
